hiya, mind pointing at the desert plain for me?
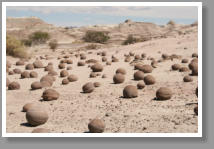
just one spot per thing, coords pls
(73, 110)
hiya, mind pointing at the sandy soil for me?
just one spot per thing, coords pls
(73, 110)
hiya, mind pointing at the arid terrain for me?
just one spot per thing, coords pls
(73, 110)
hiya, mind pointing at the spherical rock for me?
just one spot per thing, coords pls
(93, 75)
(194, 60)
(28, 106)
(36, 85)
(36, 116)
(14, 86)
(131, 53)
(49, 68)
(146, 68)
(114, 59)
(72, 78)
(10, 73)
(97, 84)
(104, 76)
(149, 80)
(83, 57)
(165, 56)
(187, 79)
(38, 64)
(64, 73)
(52, 73)
(196, 110)
(138, 66)
(130, 91)
(29, 67)
(17, 71)
(192, 64)
(104, 59)
(46, 84)
(184, 61)
(61, 66)
(48, 78)
(33, 74)
(65, 81)
(108, 63)
(97, 67)
(69, 68)
(127, 59)
(88, 87)
(139, 75)
(163, 93)
(118, 78)
(121, 70)
(41, 130)
(20, 62)
(184, 69)
(194, 55)
(137, 57)
(81, 63)
(143, 55)
(69, 61)
(96, 126)
(25, 74)
(141, 85)
(154, 64)
(176, 66)
(195, 69)
(104, 53)
(50, 94)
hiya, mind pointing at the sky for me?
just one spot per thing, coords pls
(94, 15)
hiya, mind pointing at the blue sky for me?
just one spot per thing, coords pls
(81, 16)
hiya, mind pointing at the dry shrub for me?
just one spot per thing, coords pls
(53, 45)
(96, 37)
(15, 48)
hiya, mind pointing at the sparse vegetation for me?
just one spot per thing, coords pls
(53, 45)
(15, 47)
(96, 37)
(39, 37)
(27, 42)
(131, 40)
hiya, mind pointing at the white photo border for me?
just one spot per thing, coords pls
(197, 4)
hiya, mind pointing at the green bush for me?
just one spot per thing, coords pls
(27, 42)
(96, 36)
(15, 48)
(130, 40)
(39, 37)
(53, 44)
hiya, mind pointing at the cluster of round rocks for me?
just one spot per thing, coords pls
(35, 115)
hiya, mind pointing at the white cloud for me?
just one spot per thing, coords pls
(171, 12)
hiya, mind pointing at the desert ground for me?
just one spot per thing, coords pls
(73, 110)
